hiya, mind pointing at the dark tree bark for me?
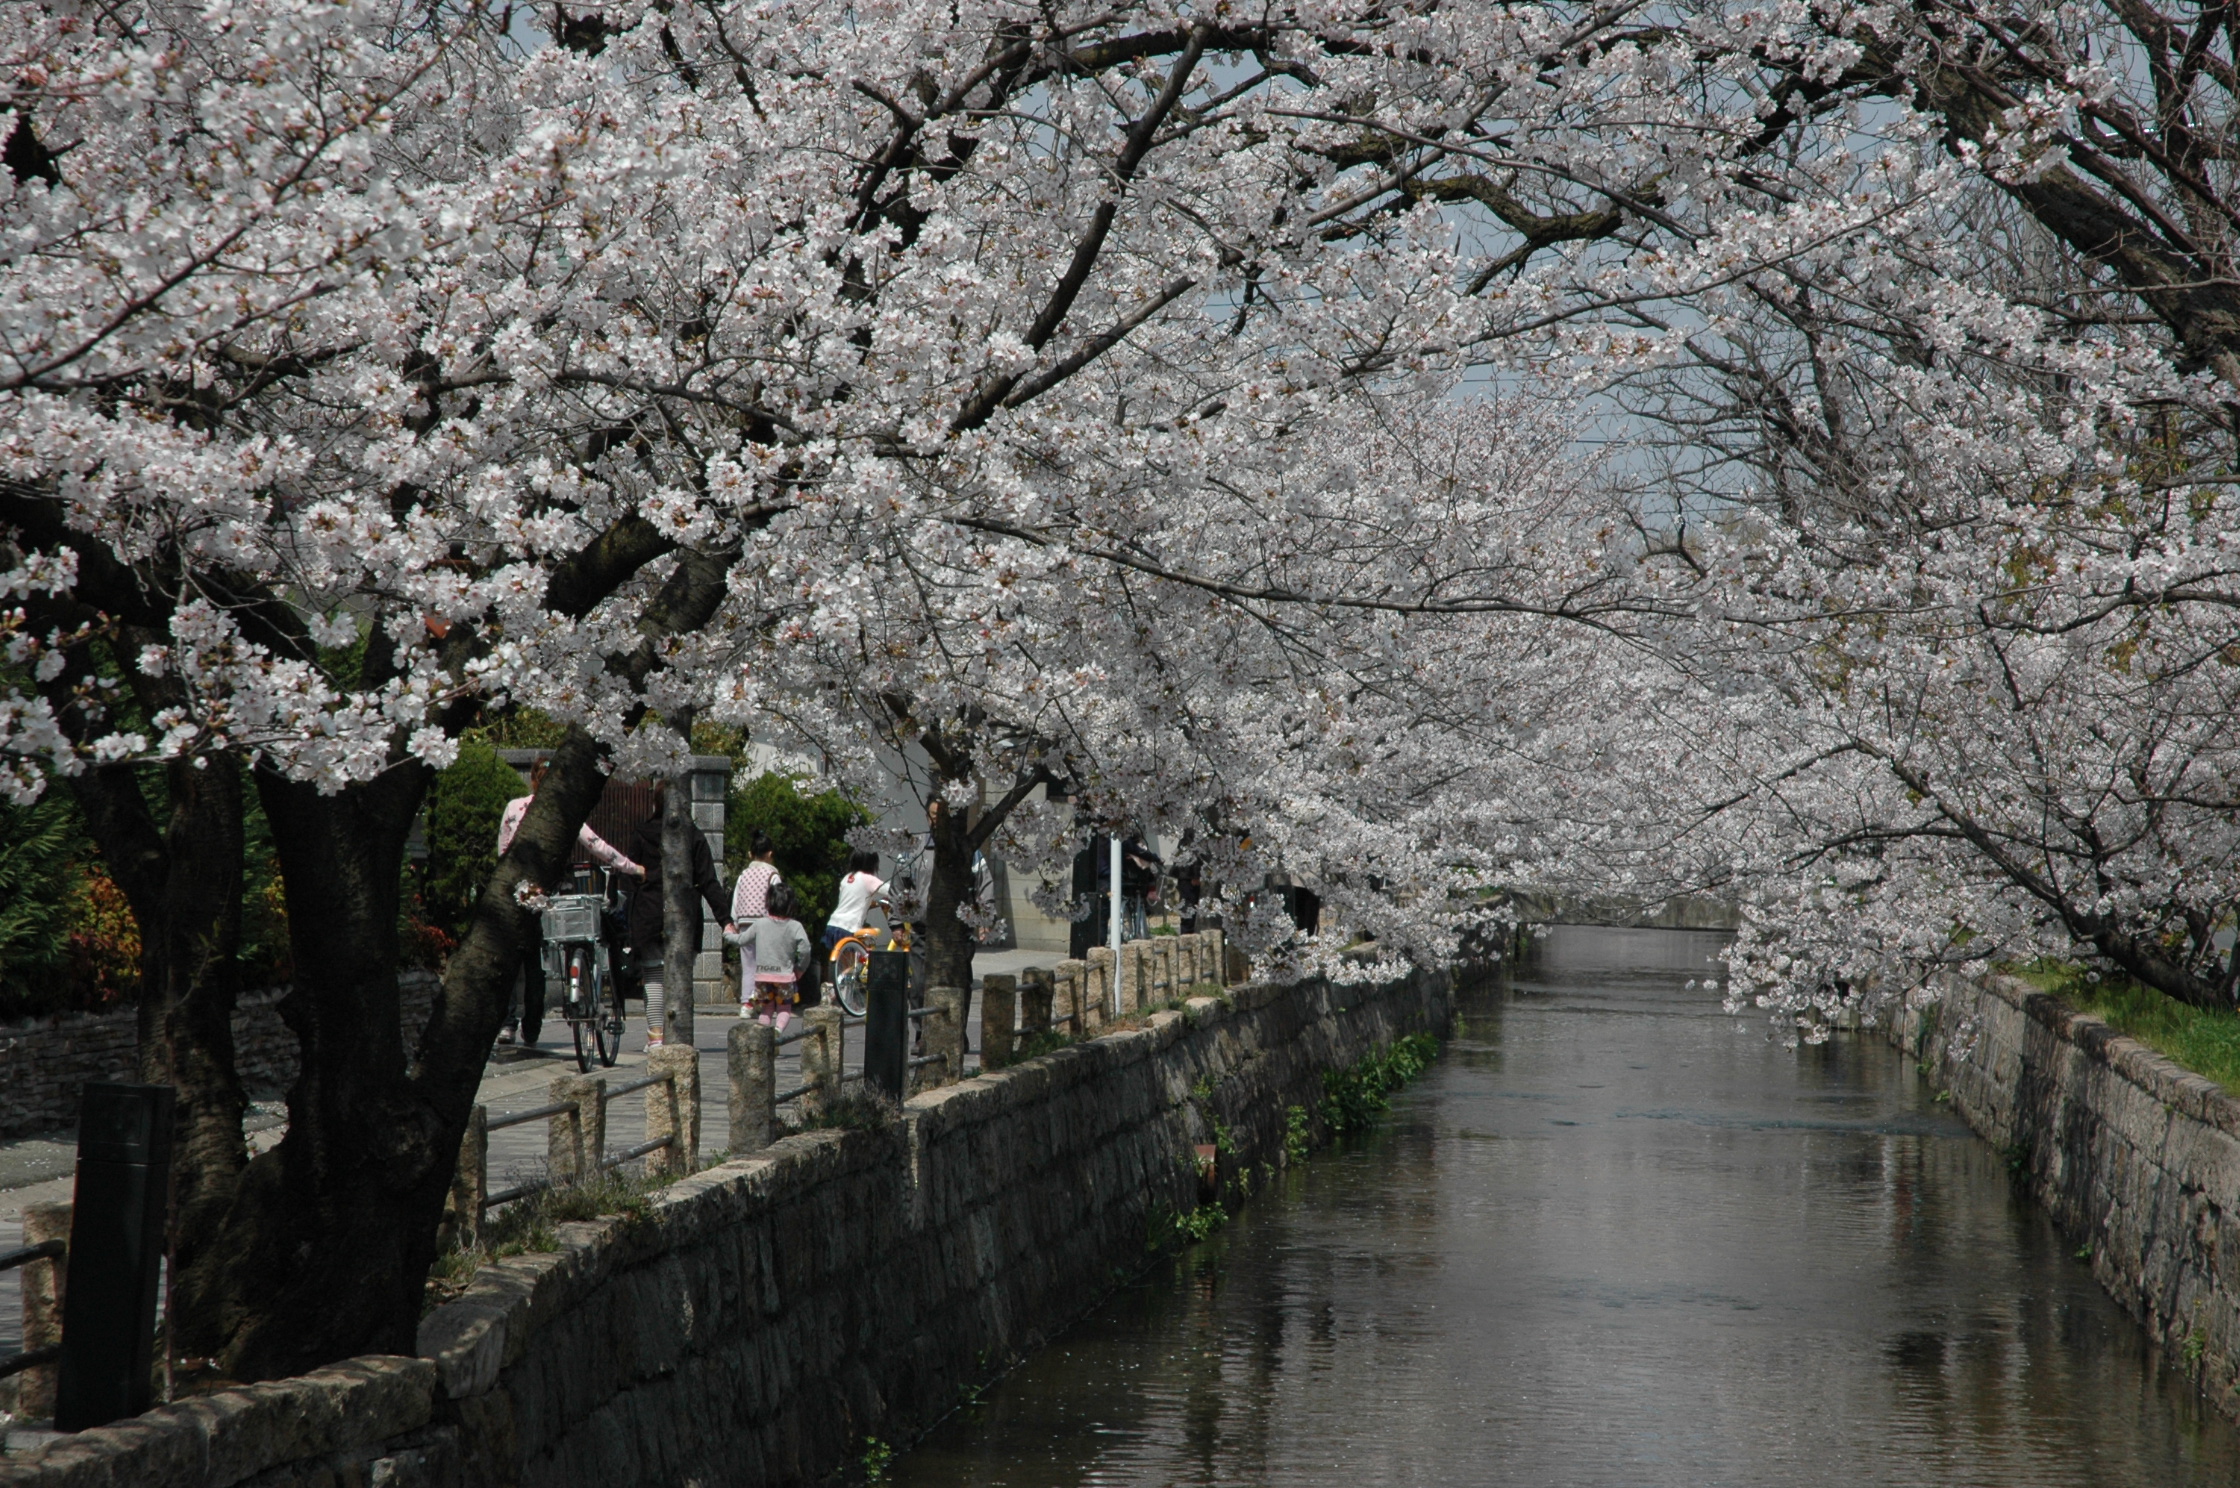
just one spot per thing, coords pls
(178, 862)
(333, 1232)
(950, 942)
(183, 881)
(958, 836)
(324, 1220)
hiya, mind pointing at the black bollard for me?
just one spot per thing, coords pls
(886, 1030)
(116, 1254)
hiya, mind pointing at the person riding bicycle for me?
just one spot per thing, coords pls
(528, 1013)
(647, 935)
(860, 890)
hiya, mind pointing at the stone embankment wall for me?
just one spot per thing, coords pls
(2133, 1156)
(761, 1320)
(43, 1061)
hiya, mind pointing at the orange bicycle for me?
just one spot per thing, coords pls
(851, 963)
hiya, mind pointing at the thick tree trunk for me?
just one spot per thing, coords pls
(958, 837)
(184, 885)
(2158, 971)
(328, 1259)
(332, 1233)
(949, 940)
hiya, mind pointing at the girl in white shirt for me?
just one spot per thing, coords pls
(859, 891)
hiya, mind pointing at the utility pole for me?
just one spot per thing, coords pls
(1114, 899)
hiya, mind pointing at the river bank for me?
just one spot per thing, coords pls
(2136, 1158)
(1613, 1237)
(772, 1319)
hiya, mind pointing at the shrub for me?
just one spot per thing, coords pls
(860, 1110)
(464, 806)
(103, 945)
(39, 850)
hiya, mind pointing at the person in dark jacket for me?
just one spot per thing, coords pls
(646, 938)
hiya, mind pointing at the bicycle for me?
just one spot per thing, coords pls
(577, 930)
(851, 964)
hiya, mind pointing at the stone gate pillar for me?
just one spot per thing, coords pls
(711, 785)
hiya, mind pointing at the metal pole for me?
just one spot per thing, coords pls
(1114, 896)
(886, 1033)
(116, 1250)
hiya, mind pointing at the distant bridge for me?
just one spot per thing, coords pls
(1679, 912)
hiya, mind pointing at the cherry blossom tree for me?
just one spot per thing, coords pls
(1957, 512)
(372, 367)
(1189, 410)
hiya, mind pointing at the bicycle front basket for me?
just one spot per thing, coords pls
(572, 917)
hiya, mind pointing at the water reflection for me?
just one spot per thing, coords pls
(1616, 1237)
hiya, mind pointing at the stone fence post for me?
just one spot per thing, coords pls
(43, 1285)
(1034, 1001)
(945, 1034)
(673, 1108)
(470, 1186)
(1165, 987)
(1134, 976)
(751, 1055)
(1096, 994)
(1214, 957)
(576, 1140)
(1070, 995)
(711, 787)
(1186, 963)
(999, 1011)
(822, 1056)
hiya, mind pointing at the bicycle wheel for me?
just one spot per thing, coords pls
(851, 964)
(610, 1026)
(582, 1011)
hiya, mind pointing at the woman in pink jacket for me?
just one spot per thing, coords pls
(528, 1014)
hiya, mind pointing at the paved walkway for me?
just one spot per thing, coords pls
(37, 1170)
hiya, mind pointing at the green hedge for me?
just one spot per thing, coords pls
(464, 806)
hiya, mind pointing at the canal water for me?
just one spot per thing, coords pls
(1614, 1237)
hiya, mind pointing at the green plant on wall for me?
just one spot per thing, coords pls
(1169, 1229)
(1298, 1134)
(1353, 1098)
